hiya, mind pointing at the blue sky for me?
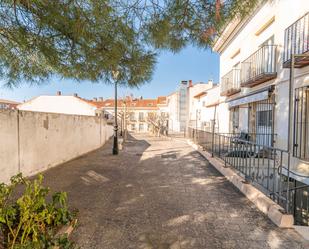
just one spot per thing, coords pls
(190, 64)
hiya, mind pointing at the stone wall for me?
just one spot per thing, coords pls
(35, 141)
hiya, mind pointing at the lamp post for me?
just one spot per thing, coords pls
(115, 145)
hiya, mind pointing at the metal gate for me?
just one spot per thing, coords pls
(261, 121)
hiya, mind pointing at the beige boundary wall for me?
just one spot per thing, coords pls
(31, 142)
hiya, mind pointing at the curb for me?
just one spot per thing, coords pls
(261, 201)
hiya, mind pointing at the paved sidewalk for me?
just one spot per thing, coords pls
(160, 194)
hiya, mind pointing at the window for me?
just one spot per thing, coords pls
(264, 118)
(234, 119)
(141, 127)
(132, 116)
(141, 116)
(261, 121)
(133, 127)
(269, 41)
(4, 106)
(301, 120)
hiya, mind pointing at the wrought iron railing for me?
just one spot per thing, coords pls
(296, 38)
(260, 66)
(264, 166)
(230, 82)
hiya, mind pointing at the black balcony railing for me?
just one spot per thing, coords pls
(230, 83)
(259, 67)
(264, 166)
(296, 41)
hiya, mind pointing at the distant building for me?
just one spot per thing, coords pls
(60, 104)
(181, 105)
(193, 106)
(8, 104)
(136, 114)
(177, 108)
(210, 109)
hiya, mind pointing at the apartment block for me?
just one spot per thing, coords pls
(137, 114)
(255, 59)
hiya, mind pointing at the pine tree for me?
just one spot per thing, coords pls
(89, 39)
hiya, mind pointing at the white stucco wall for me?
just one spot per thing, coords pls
(219, 111)
(33, 141)
(285, 13)
(58, 104)
(248, 42)
(9, 144)
(193, 103)
(173, 112)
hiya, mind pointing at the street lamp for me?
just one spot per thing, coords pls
(115, 145)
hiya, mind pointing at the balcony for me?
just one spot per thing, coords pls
(230, 83)
(259, 67)
(296, 41)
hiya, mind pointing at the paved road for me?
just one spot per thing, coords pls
(160, 194)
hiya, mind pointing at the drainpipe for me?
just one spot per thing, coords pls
(291, 85)
(213, 132)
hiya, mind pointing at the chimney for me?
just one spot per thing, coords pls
(101, 99)
(95, 99)
(141, 97)
(210, 82)
(58, 93)
(184, 82)
(75, 95)
(190, 83)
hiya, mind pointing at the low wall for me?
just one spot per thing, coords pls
(34, 141)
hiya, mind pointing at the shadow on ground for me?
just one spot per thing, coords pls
(159, 193)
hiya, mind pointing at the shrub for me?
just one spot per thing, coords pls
(30, 217)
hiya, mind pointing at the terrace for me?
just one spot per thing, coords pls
(296, 41)
(259, 67)
(230, 83)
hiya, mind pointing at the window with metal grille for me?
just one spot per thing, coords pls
(261, 121)
(301, 129)
(234, 119)
(265, 118)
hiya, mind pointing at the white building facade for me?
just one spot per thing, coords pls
(213, 114)
(137, 114)
(183, 108)
(255, 55)
(60, 104)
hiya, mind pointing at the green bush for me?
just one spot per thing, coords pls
(30, 217)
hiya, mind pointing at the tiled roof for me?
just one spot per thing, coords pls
(133, 103)
(5, 101)
(97, 104)
(161, 100)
